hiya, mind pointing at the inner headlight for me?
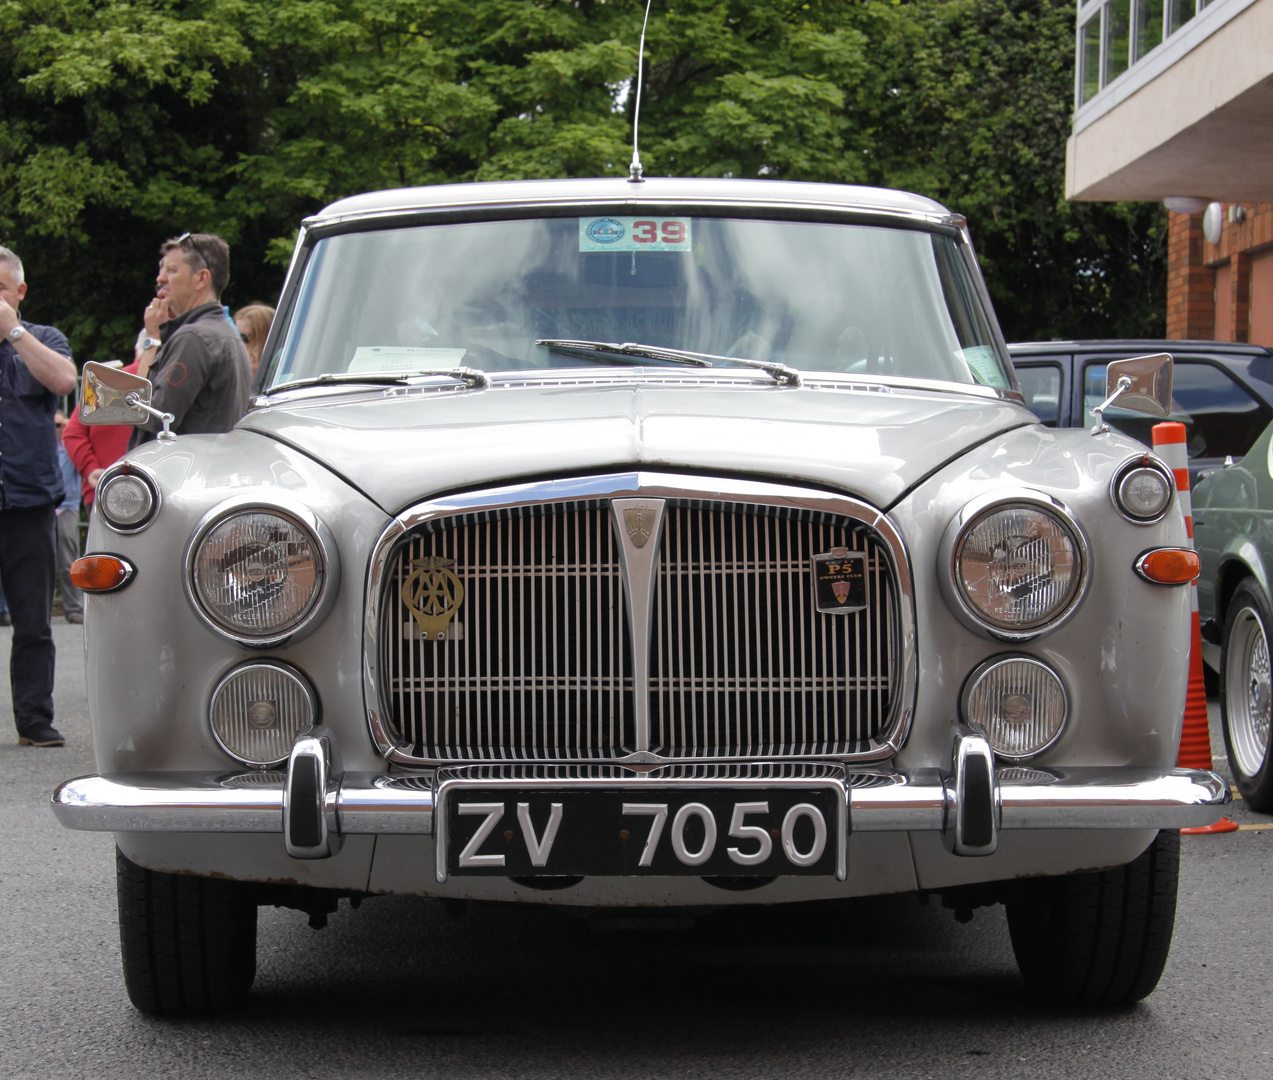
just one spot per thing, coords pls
(1018, 568)
(257, 574)
(1018, 703)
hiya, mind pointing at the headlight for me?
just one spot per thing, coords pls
(258, 574)
(1142, 490)
(1018, 703)
(127, 500)
(258, 710)
(1017, 566)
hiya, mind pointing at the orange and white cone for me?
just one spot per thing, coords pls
(1195, 736)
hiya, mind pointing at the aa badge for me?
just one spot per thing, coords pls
(433, 594)
(839, 581)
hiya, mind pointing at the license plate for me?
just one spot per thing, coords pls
(620, 832)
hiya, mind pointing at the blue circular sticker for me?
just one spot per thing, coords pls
(605, 231)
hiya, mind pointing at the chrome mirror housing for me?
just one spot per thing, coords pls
(1139, 383)
(111, 396)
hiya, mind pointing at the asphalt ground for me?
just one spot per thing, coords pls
(400, 988)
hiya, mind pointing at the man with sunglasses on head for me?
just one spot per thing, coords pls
(193, 354)
(35, 369)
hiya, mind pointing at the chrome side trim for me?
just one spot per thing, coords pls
(638, 526)
(646, 486)
(879, 800)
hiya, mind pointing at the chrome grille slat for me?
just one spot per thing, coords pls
(741, 663)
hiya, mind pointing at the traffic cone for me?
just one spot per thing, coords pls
(1195, 735)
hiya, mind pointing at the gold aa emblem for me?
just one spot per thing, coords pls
(433, 594)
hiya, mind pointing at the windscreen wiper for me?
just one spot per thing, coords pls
(467, 375)
(779, 372)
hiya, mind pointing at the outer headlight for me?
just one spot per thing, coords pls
(1018, 703)
(259, 574)
(1017, 565)
(258, 710)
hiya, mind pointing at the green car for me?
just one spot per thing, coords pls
(1233, 530)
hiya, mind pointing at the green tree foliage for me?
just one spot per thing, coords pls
(126, 121)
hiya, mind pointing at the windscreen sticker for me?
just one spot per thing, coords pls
(983, 362)
(402, 358)
(634, 234)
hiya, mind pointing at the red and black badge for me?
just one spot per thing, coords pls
(839, 581)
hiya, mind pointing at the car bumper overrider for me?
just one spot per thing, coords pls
(312, 804)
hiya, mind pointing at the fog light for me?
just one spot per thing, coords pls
(1018, 703)
(258, 710)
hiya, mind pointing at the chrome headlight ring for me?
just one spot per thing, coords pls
(253, 512)
(126, 482)
(1020, 704)
(1044, 510)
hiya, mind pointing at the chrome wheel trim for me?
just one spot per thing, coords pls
(1248, 692)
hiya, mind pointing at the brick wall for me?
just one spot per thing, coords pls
(1192, 264)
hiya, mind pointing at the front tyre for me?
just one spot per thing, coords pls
(188, 943)
(1098, 939)
(1246, 694)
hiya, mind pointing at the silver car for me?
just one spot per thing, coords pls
(678, 543)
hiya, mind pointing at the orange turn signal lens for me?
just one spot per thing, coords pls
(1169, 566)
(101, 573)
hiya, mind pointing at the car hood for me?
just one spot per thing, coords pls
(400, 445)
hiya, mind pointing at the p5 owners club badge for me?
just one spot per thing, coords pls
(839, 581)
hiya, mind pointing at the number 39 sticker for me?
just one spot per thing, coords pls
(634, 234)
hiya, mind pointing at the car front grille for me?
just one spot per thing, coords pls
(536, 660)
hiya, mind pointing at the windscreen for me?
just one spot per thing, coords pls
(856, 299)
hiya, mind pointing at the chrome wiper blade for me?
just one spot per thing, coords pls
(467, 375)
(781, 373)
(627, 348)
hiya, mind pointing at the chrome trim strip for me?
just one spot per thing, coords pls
(639, 558)
(1118, 797)
(948, 549)
(648, 486)
(308, 521)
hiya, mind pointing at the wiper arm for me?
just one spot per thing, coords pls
(467, 375)
(779, 372)
(627, 348)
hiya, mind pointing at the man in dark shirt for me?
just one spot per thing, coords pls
(193, 355)
(35, 368)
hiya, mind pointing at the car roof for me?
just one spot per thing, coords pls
(655, 190)
(1147, 345)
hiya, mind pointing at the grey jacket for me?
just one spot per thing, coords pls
(202, 374)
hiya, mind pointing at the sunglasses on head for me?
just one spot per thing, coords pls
(188, 238)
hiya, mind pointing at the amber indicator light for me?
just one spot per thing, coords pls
(100, 573)
(1169, 566)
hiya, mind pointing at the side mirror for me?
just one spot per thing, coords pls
(1140, 383)
(111, 396)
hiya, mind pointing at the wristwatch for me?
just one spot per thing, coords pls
(150, 343)
(16, 334)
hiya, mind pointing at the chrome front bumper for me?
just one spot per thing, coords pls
(313, 804)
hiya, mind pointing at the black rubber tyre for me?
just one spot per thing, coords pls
(1246, 694)
(188, 943)
(1098, 939)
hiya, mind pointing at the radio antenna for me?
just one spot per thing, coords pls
(634, 170)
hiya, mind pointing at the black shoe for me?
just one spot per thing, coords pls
(42, 735)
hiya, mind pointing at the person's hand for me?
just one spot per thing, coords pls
(8, 318)
(156, 315)
(94, 477)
